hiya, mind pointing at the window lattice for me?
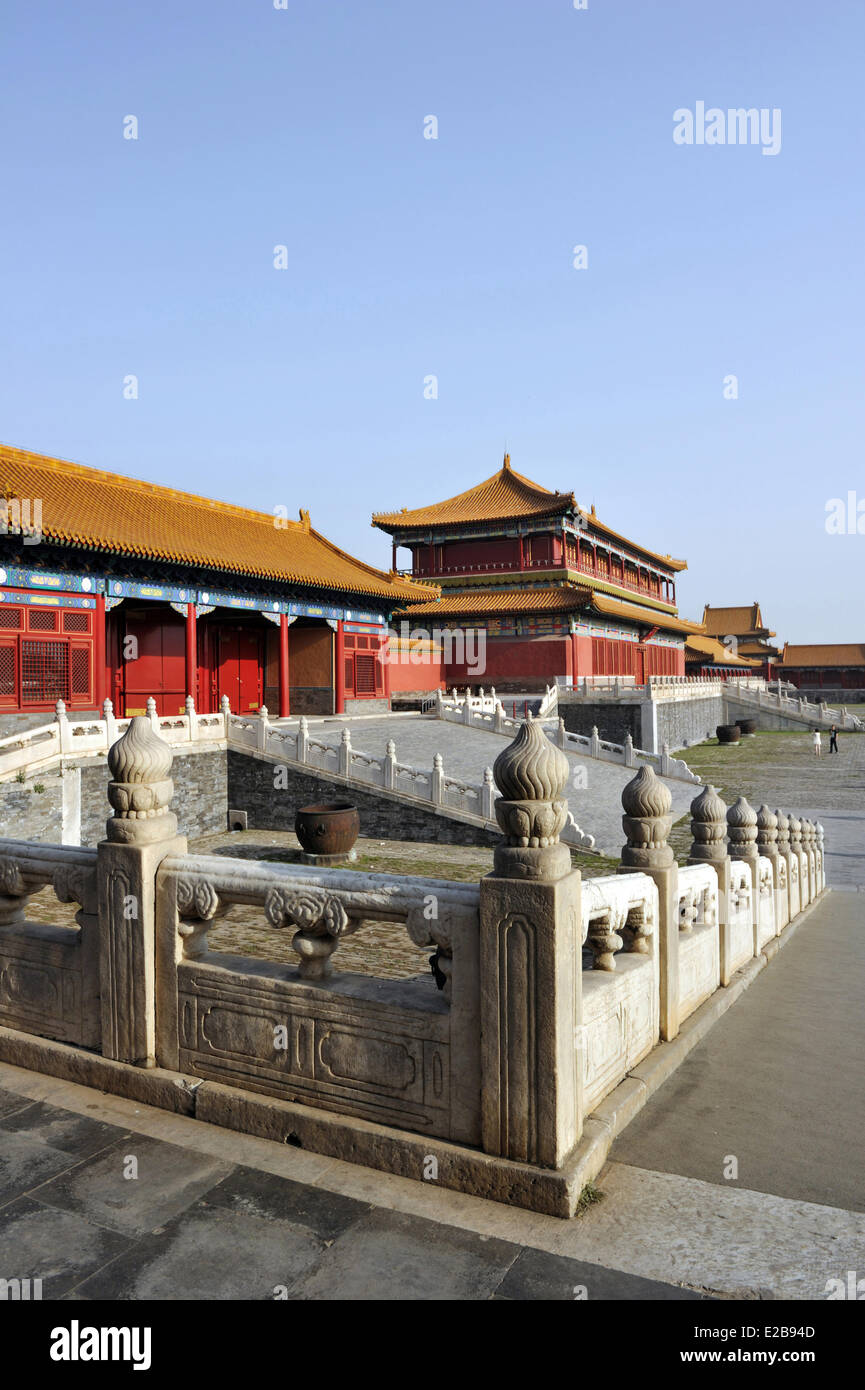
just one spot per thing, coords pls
(10, 617)
(7, 671)
(76, 621)
(44, 672)
(364, 667)
(79, 671)
(42, 621)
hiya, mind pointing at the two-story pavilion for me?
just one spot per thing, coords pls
(119, 588)
(556, 591)
(744, 634)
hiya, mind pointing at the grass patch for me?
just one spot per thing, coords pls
(589, 1197)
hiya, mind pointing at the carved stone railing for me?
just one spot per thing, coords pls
(502, 1047)
(798, 707)
(68, 736)
(284, 743)
(495, 721)
(49, 974)
(699, 936)
(402, 1052)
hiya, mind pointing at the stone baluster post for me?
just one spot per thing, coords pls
(796, 849)
(389, 768)
(742, 835)
(629, 756)
(345, 754)
(532, 1056)
(225, 711)
(499, 718)
(647, 803)
(302, 745)
(709, 846)
(191, 721)
(151, 714)
(821, 862)
(808, 841)
(63, 727)
(487, 794)
(437, 781)
(110, 722)
(594, 743)
(785, 853)
(139, 835)
(561, 734)
(264, 728)
(767, 846)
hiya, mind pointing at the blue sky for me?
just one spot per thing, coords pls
(452, 257)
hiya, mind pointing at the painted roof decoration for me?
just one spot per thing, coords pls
(719, 622)
(824, 654)
(506, 496)
(102, 511)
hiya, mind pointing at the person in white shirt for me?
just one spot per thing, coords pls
(818, 746)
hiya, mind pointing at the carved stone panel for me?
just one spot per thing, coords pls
(345, 1053)
(41, 986)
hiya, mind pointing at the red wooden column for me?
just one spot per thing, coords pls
(100, 691)
(191, 654)
(284, 691)
(339, 673)
(385, 653)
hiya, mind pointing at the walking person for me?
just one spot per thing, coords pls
(833, 740)
(818, 745)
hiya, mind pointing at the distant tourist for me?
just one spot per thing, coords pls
(818, 746)
(833, 740)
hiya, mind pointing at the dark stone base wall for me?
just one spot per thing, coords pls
(613, 722)
(367, 707)
(251, 789)
(200, 795)
(683, 722)
(309, 699)
(27, 814)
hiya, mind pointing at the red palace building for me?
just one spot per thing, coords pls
(555, 590)
(115, 588)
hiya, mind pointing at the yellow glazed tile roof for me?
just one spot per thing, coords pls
(717, 653)
(97, 510)
(505, 496)
(500, 498)
(495, 602)
(632, 612)
(824, 654)
(719, 622)
(491, 602)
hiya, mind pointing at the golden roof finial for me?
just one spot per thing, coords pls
(507, 463)
(304, 518)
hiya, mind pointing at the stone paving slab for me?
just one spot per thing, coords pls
(466, 752)
(191, 1228)
(670, 1230)
(778, 1083)
(168, 1178)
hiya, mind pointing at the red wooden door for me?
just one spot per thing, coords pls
(639, 666)
(241, 668)
(153, 662)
